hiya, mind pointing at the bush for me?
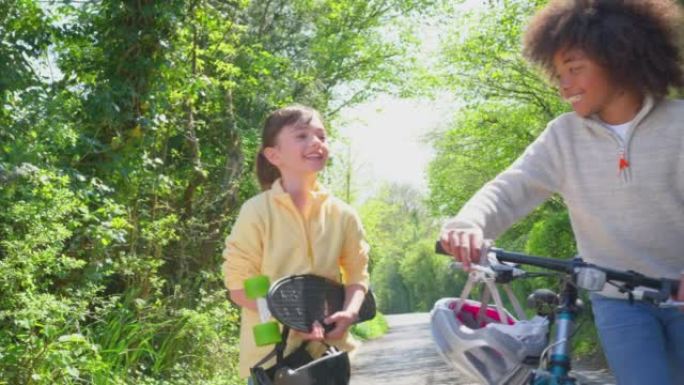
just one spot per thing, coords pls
(371, 329)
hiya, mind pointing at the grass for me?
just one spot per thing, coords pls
(371, 329)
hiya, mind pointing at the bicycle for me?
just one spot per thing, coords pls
(503, 266)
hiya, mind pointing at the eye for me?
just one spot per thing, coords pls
(575, 69)
(321, 138)
(301, 135)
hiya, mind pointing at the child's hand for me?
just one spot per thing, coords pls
(317, 333)
(342, 320)
(239, 298)
(464, 245)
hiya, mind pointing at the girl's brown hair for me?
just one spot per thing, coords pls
(636, 40)
(266, 172)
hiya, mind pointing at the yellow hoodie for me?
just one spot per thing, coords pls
(271, 237)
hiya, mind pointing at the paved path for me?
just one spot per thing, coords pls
(406, 356)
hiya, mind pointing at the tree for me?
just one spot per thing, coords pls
(506, 105)
(127, 138)
(406, 273)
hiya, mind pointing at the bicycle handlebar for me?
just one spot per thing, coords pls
(631, 278)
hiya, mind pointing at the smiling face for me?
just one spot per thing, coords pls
(585, 84)
(301, 149)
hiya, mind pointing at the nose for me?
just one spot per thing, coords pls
(316, 141)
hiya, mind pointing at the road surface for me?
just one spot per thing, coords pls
(406, 356)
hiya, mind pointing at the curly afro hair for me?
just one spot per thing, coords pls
(636, 40)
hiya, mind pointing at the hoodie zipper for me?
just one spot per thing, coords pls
(305, 236)
(623, 164)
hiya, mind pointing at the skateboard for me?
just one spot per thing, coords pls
(299, 300)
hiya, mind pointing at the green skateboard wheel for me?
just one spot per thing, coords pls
(266, 334)
(257, 287)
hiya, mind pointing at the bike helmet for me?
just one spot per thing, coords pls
(474, 340)
(333, 368)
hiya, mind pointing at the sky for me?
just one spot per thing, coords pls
(388, 136)
(387, 133)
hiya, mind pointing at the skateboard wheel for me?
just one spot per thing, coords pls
(257, 287)
(266, 334)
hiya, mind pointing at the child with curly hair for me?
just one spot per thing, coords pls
(618, 162)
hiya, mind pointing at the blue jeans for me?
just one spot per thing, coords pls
(643, 344)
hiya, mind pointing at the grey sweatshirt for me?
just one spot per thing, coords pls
(629, 219)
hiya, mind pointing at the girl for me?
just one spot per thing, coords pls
(295, 227)
(617, 161)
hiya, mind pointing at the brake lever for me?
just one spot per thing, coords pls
(658, 298)
(473, 267)
(503, 273)
(489, 265)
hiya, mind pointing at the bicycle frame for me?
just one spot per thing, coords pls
(557, 368)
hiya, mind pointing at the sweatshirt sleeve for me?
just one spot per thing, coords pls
(514, 193)
(354, 258)
(243, 248)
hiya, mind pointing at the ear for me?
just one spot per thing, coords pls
(272, 155)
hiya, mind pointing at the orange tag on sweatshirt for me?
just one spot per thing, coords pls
(622, 162)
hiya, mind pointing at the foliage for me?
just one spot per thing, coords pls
(406, 273)
(372, 328)
(128, 131)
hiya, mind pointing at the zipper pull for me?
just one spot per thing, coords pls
(622, 162)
